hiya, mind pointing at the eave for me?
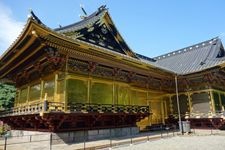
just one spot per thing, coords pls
(36, 31)
(21, 44)
(89, 48)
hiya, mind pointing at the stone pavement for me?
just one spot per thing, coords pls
(24, 143)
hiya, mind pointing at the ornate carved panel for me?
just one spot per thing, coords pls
(122, 76)
(55, 58)
(103, 71)
(139, 80)
(99, 35)
(78, 66)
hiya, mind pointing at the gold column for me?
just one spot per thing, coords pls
(42, 91)
(165, 106)
(189, 102)
(171, 105)
(56, 99)
(129, 95)
(65, 92)
(212, 101)
(28, 94)
(18, 98)
(88, 91)
(220, 101)
(65, 84)
(113, 93)
(163, 113)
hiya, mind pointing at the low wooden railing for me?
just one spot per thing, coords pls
(217, 114)
(104, 108)
(47, 107)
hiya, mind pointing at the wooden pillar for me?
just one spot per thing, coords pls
(65, 92)
(220, 101)
(212, 106)
(65, 84)
(162, 112)
(129, 95)
(89, 90)
(171, 104)
(189, 102)
(42, 91)
(165, 106)
(18, 98)
(148, 103)
(113, 93)
(28, 94)
(56, 99)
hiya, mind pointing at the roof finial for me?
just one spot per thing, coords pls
(102, 7)
(34, 16)
(82, 8)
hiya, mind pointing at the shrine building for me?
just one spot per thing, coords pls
(84, 76)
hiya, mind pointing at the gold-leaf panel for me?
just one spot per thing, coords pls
(101, 93)
(77, 91)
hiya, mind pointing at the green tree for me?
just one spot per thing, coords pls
(7, 96)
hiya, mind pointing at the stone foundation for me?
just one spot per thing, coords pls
(75, 136)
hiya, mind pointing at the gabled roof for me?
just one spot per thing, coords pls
(35, 32)
(194, 58)
(99, 29)
(98, 33)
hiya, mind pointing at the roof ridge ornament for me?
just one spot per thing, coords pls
(102, 7)
(83, 10)
(34, 16)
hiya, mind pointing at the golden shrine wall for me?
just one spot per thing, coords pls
(219, 100)
(38, 90)
(77, 91)
(81, 89)
(89, 82)
(197, 103)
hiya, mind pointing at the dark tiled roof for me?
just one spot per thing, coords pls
(98, 29)
(89, 20)
(188, 60)
(194, 58)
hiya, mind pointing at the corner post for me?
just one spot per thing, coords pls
(178, 106)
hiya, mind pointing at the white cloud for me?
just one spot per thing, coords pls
(9, 28)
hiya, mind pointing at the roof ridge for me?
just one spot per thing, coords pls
(187, 49)
(100, 10)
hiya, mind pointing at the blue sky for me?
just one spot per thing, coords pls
(150, 27)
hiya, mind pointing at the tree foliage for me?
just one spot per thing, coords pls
(7, 96)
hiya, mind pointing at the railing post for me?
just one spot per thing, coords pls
(5, 145)
(167, 131)
(51, 141)
(45, 102)
(131, 140)
(211, 129)
(110, 137)
(84, 140)
(174, 128)
(161, 128)
(45, 105)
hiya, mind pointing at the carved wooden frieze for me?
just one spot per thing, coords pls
(122, 75)
(55, 58)
(139, 80)
(78, 66)
(103, 71)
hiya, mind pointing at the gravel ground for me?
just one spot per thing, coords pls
(197, 140)
(210, 142)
